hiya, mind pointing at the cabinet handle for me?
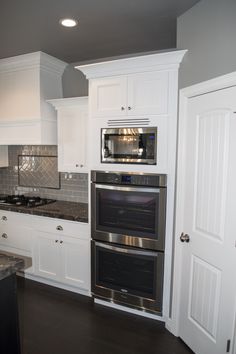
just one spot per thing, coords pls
(4, 235)
(81, 165)
(56, 241)
(4, 218)
(61, 242)
(129, 108)
(76, 165)
(122, 108)
(59, 228)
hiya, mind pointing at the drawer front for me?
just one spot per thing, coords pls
(15, 230)
(61, 227)
(16, 237)
(12, 218)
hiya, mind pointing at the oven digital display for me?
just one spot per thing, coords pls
(126, 179)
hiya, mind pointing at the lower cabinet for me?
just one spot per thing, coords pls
(60, 249)
(15, 233)
(62, 258)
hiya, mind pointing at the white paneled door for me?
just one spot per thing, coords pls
(208, 287)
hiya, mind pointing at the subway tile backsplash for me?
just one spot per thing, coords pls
(74, 186)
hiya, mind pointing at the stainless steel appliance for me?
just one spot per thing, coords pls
(128, 232)
(128, 276)
(129, 145)
(129, 208)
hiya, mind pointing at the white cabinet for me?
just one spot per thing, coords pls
(75, 254)
(46, 255)
(59, 257)
(15, 233)
(108, 97)
(4, 156)
(130, 95)
(72, 132)
(26, 81)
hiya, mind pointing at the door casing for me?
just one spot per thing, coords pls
(219, 83)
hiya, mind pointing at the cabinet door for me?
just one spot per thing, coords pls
(46, 252)
(75, 260)
(72, 131)
(148, 93)
(108, 96)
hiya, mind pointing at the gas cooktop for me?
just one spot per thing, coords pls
(26, 201)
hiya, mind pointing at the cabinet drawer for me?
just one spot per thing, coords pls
(12, 218)
(15, 237)
(61, 227)
(15, 230)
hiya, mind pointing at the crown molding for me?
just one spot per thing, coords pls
(36, 60)
(69, 102)
(158, 61)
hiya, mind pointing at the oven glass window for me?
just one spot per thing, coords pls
(129, 273)
(129, 213)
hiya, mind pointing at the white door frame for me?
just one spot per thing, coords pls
(221, 82)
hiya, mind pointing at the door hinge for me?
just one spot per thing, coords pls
(228, 346)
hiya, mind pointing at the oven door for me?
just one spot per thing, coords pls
(128, 215)
(127, 275)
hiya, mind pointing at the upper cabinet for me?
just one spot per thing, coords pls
(138, 94)
(72, 131)
(26, 82)
(108, 96)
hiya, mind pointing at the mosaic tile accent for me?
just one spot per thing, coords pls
(74, 186)
(38, 171)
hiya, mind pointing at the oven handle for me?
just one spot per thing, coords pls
(124, 250)
(128, 189)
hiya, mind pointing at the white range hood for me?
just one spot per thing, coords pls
(26, 82)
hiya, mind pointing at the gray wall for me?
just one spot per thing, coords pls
(208, 31)
(74, 82)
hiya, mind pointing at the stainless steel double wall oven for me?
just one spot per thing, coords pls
(128, 232)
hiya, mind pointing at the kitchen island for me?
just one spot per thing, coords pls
(9, 327)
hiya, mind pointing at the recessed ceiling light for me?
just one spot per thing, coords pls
(68, 22)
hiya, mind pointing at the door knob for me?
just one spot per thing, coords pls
(184, 237)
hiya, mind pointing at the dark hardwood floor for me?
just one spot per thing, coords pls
(53, 321)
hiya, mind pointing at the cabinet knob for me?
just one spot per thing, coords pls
(59, 228)
(122, 108)
(76, 165)
(4, 218)
(4, 235)
(129, 108)
(81, 165)
(56, 241)
(61, 242)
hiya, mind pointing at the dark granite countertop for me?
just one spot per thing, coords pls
(59, 209)
(11, 263)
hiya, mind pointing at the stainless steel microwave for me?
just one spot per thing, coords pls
(129, 145)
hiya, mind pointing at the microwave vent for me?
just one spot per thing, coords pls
(138, 122)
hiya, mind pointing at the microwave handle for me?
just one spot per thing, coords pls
(125, 250)
(127, 188)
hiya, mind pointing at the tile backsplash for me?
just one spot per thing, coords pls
(74, 186)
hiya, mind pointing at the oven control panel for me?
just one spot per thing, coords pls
(154, 180)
